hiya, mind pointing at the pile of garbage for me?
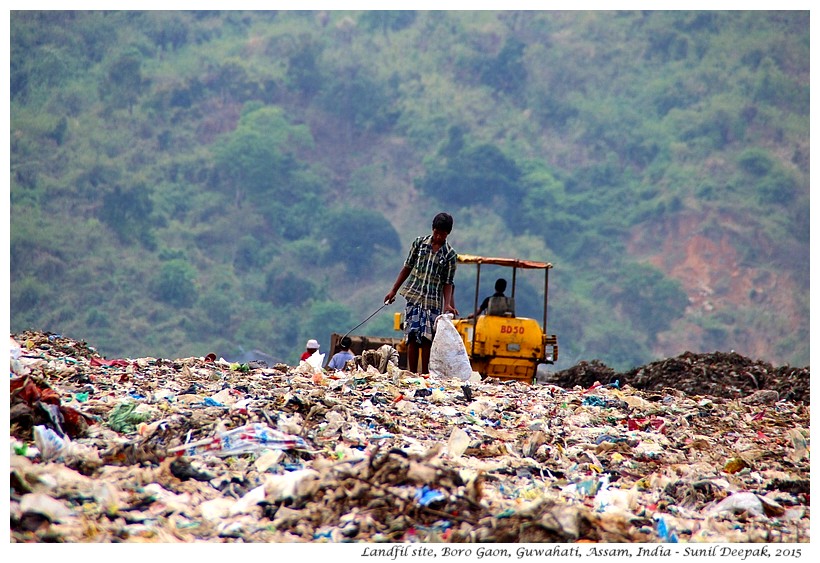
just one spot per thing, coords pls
(719, 374)
(203, 450)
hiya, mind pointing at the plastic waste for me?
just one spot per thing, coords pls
(798, 440)
(51, 445)
(49, 507)
(293, 485)
(171, 501)
(739, 503)
(448, 356)
(107, 496)
(55, 417)
(250, 438)
(458, 442)
(242, 405)
(216, 509)
(225, 397)
(602, 498)
(102, 362)
(14, 349)
(124, 417)
(23, 449)
(426, 496)
(373, 451)
(163, 395)
(315, 361)
(144, 429)
(613, 499)
(267, 460)
(734, 465)
(588, 487)
(182, 468)
(594, 401)
(666, 535)
(249, 501)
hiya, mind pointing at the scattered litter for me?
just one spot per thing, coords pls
(200, 450)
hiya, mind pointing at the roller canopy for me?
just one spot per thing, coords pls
(509, 262)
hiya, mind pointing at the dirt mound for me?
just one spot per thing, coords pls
(719, 374)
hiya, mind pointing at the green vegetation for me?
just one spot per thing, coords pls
(194, 182)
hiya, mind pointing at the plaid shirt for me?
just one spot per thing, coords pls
(430, 272)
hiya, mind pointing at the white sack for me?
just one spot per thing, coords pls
(448, 356)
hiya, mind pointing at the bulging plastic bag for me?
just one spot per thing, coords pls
(448, 356)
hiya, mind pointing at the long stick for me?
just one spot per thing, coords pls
(367, 319)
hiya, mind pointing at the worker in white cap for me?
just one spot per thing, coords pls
(311, 348)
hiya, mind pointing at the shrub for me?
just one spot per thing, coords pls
(174, 283)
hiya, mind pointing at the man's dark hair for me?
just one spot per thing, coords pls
(500, 285)
(345, 343)
(443, 222)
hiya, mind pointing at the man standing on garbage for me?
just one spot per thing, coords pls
(429, 270)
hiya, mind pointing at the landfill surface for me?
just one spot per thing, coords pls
(709, 448)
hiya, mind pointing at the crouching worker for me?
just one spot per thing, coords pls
(344, 355)
(379, 358)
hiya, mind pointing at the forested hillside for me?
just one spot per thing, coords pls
(192, 182)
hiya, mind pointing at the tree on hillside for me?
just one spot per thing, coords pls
(355, 94)
(472, 174)
(506, 73)
(303, 74)
(288, 288)
(259, 157)
(355, 236)
(388, 20)
(124, 82)
(127, 211)
(169, 31)
(175, 283)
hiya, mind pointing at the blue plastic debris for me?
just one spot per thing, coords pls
(663, 532)
(426, 496)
